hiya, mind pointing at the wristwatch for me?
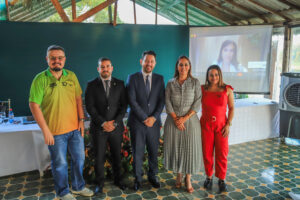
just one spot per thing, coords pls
(229, 123)
(81, 119)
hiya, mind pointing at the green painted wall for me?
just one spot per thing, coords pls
(23, 50)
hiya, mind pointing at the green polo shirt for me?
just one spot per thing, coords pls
(57, 99)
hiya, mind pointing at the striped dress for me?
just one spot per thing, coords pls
(183, 149)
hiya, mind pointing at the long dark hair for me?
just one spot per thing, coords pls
(176, 74)
(234, 60)
(221, 84)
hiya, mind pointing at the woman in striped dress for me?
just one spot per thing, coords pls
(182, 131)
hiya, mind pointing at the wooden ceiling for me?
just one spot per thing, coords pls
(184, 12)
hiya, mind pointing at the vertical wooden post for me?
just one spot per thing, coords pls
(73, 9)
(187, 13)
(134, 11)
(156, 4)
(273, 57)
(7, 11)
(110, 15)
(115, 13)
(286, 49)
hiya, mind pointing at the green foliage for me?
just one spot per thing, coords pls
(295, 58)
(84, 6)
(241, 96)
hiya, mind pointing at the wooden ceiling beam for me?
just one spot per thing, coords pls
(94, 10)
(60, 10)
(212, 12)
(73, 9)
(227, 10)
(291, 5)
(269, 10)
(13, 2)
(247, 10)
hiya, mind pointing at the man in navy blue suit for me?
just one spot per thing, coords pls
(146, 95)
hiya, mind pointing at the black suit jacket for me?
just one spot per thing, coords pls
(142, 107)
(103, 109)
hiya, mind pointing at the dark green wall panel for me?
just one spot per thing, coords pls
(23, 50)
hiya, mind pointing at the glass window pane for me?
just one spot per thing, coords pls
(295, 50)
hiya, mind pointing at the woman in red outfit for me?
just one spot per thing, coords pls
(216, 97)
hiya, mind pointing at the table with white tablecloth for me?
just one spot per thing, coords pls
(254, 119)
(22, 149)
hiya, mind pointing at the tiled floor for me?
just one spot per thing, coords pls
(263, 169)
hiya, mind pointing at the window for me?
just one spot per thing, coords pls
(295, 50)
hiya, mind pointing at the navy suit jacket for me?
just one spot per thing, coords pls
(142, 107)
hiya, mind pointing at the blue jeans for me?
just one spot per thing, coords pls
(72, 143)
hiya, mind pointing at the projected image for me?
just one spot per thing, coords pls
(241, 52)
(227, 59)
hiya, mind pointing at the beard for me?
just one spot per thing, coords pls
(148, 69)
(56, 69)
(105, 75)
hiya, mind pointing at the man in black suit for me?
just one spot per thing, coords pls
(106, 102)
(146, 94)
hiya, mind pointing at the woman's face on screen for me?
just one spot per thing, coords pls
(227, 53)
(213, 76)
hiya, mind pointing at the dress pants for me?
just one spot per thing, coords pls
(213, 140)
(141, 137)
(100, 145)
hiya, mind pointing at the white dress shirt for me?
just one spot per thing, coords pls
(145, 77)
(103, 82)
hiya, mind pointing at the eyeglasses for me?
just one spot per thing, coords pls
(53, 58)
(103, 66)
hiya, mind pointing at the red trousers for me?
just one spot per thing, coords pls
(213, 140)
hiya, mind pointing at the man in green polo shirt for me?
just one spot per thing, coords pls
(56, 104)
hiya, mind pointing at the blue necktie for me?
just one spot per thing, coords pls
(147, 86)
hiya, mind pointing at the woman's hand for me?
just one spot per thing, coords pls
(181, 127)
(225, 130)
(178, 121)
(181, 120)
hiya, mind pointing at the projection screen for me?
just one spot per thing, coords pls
(242, 52)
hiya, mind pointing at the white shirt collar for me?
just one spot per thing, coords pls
(105, 79)
(144, 74)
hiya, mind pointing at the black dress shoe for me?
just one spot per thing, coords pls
(120, 185)
(98, 189)
(208, 183)
(154, 182)
(222, 186)
(136, 185)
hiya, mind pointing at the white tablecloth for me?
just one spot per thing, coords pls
(22, 149)
(254, 119)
